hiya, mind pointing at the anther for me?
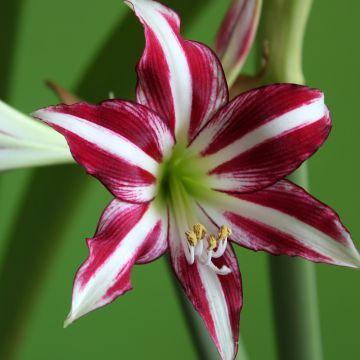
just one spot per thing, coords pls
(200, 231)
(191, 238)
(224, 232)
(212, 242)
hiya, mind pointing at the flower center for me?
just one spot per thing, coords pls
(197, 243)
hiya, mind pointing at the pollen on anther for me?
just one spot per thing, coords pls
(191, 238)
(224, 232)
(200, 231)
(212, 242)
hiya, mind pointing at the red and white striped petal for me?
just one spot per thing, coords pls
(236, 35)
(262, 136)
(181, 80)
(285, 219)
(217, 298)
(121, 143)
(126, 234)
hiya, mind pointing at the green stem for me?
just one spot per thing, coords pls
(283, 27)
(10, 11)
(295, 304)
(293, 280)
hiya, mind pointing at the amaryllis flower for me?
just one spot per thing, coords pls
(191, 171)
(25, 142)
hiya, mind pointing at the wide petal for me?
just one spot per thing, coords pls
(181, 80)
(284, 219)
(262, 136)
(25, 142)
(119, 142)
(236, 35)
(217, 298)
(126, 234)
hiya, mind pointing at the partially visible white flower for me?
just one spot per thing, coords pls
(25, 142)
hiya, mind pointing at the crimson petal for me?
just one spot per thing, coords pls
(262, 136)
(217, 298)
(181, 80)
(285, 219)
(119, 142)
(127, 233)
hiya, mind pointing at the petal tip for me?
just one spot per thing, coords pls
(38, 113)
(129, 4)
(69, 320)
(356, 262)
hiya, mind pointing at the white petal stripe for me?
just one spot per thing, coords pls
(103, 138)
(219, 310)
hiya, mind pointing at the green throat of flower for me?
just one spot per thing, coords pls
(182, 183)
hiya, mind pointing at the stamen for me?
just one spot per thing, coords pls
(212, 243)
(224, 232)
(204, 254)
(224, 270)
(200, 231)
(191, 238)
(199, 248)
(220, 249)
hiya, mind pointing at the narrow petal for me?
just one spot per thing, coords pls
(20, 126)
(217, 298)
(285, 219)
(254, 141)
(119, 142)
(24, 156)
(181, 80)
(236, 35)
(126, 233)
(25, 142)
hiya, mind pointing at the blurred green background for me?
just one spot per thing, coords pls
(45, 214)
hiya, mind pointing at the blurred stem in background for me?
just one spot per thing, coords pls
(293, 280)
(8, 34)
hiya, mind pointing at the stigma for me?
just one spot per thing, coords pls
(203, 247)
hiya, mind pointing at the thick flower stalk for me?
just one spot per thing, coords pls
(191, 172)
(25, 142)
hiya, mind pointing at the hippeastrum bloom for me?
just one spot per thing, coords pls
(190, 171)
(26, 142)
